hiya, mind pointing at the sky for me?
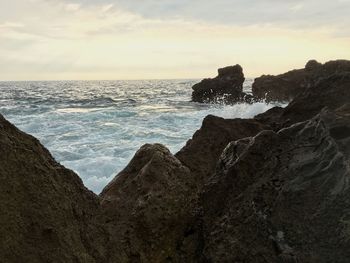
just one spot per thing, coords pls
(162, 39)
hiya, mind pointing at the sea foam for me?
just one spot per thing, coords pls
(95, 127)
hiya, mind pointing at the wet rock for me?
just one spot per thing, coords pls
(287, 86)
(47, 215)
(227, 87)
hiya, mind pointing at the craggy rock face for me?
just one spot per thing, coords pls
(281, 197)
(332, 92)
(47, 215)
(226, 87)
(287, 86)
(149, 206)
(202, 152)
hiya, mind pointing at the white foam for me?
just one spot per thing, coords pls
(98, 140)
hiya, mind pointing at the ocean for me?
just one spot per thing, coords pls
(95, 127)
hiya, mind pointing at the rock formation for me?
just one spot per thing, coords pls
(147, 207)
(47, 215)
(288, 202)
(287, 86)
(270, 189)
(227, 87)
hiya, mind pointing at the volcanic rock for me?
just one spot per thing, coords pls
(281, 196)
(148, 206)
(202, 152)
(47, 215)
(287, 86)
(227, 87)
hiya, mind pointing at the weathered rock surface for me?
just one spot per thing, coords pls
(281, 197)
(227, 87)
(149, 206)
(287, 86)
(202, 152)
(332, 92)
(46, 214)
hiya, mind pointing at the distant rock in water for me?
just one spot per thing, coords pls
(331, 92)
(287, 86)
(227, 87)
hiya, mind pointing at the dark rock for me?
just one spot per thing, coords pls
(47, 215)
(151, 204)
(202, 152)
(312, 65)
(281, 197)
(332, 92)
(148, 207)
(227, 87)
(287, 86)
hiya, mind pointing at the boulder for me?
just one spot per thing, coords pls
(47, 215)
(287, 86)
(148, 207)
(281, 196)
(227, 87)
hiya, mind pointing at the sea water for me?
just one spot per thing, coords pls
(95, 127)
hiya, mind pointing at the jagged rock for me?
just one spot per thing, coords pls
(47, 215)
(151, 204)
(227, 87)
(202, 152)
(287, 86)
(332, 92)
(148, 206)
(281, 197)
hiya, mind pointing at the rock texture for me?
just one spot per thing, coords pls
(227, 87)
(332, 92)
(288, 202)
(148, 207)
(47, 215)
(287, 86)
(202, 152)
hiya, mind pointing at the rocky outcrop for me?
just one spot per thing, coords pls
(332, 92)
(270, 189)
(47, 215)
(281, 196)
(287, 86)
(202, 152)
(227, 87)
(148, 207)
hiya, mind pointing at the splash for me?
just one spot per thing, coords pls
(95, 127)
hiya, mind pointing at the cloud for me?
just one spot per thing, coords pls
(291, 13)
(108, 39)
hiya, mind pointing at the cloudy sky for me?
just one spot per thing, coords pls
(138, 39)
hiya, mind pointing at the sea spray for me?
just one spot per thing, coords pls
(95, 127)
